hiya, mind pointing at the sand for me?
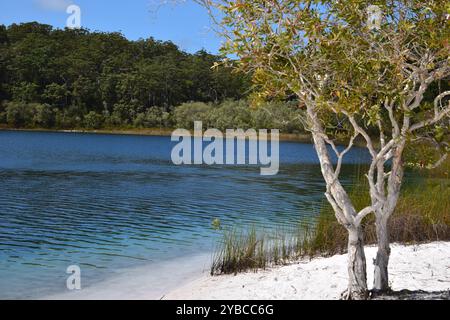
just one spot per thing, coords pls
(422, 267)
(147, 282)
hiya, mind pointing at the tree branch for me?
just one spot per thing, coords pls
(438, 115)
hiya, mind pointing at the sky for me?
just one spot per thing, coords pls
(181, 21)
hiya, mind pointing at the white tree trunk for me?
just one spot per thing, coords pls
(381, 262)
(382, 215)
(345, 214)
(357, 282)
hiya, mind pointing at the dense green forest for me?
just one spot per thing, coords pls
(68, 79)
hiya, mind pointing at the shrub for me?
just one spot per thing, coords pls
(93, 120)
(185, 114)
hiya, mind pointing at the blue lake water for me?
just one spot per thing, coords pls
(107, 202)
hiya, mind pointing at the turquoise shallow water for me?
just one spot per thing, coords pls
(108, 202)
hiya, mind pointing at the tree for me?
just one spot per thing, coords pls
(344, 68)
(43, 116)
(56, 94)
(18, 114)
(25, 92)
(3, 61)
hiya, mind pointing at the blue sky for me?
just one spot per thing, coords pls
(186, 24)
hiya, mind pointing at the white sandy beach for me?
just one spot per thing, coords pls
(148, 282)
(424, 267)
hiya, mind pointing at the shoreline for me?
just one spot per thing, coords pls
(413, 267)
(164, 132)
(146, 282)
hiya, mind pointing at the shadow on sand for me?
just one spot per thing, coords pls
(412, 295)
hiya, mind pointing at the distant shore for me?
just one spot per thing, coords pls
(415, 268)
(295, 137)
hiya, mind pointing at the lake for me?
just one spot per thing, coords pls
(109, 203)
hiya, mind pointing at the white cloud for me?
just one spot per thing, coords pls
(53, 5)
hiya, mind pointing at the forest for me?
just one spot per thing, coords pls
(71, 79)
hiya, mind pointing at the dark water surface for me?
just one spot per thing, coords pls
(106, 202)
